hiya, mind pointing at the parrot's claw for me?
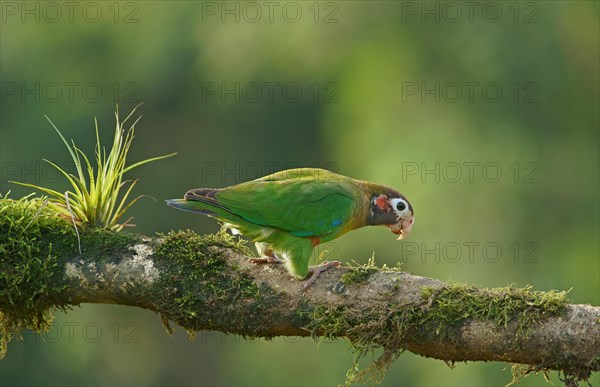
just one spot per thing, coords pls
(315, 271)
(270, 257)
(264, 260)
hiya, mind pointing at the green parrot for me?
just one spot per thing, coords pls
(290, 212)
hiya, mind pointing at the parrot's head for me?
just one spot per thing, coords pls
(392, 209)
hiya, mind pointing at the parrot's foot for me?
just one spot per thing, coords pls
(315, 271)
(265, 260)
(270, 257)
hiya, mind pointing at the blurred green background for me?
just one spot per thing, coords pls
(485, 116)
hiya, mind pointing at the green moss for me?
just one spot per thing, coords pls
(99, 242)
(572, 371)
(359, 273)
(34, 239)
(520, 371)
(440, 315)
(453, 304)
(203, 279)
(30, 272)
(571, 374)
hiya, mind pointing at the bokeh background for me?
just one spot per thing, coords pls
(486, 117)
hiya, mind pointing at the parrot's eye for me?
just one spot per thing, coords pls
(401, 206)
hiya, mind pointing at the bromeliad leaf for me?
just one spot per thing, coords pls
(99, 197)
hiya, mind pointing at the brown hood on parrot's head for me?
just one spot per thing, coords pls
(390, 208)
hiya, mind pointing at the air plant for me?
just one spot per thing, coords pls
(96, 196)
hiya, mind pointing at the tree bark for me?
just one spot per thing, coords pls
(206, 282)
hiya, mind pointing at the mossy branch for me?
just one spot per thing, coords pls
(206, 283)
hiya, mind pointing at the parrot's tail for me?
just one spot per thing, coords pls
(191, 206)
(205, 195)
(200, 200)
(202, 194)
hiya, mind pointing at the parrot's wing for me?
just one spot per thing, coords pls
(305, 202)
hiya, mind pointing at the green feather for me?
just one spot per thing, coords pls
(288, 212)
(305, 202)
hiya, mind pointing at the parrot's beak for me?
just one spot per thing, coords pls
(402, 229)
